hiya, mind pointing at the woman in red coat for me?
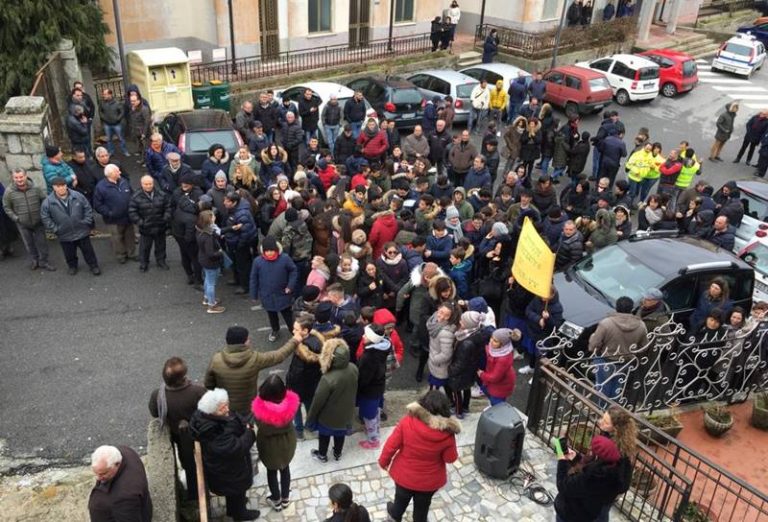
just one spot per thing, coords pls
(374, 141)
(383, 231)
(416, 453)
(498, 378)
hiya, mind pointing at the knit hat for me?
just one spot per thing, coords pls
(359, 237)
(310, 293)
(291, 215)
(220, 175)
(653, 294)
(605, 449)
(323, 312)
(237, 335)
(281, 177)
(58, 180)
(51, 151)
(371, 336)
(299, 175)
(188, 179)
(478, 304)
(471, 320)
(499, 229)
(322, 164)
(505, 335)
(269, 243)
(451, 212)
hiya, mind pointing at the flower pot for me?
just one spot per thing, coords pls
(760, 412)
(669, 424)
(715, 427)
(644, 484)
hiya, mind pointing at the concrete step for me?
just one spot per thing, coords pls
(707, 46)
(707, 52)
(470, 58)
(690, 40)
(467, 63)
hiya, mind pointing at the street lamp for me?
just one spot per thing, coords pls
(120, 47)
(391, 23)
(557, 36)
(232, 36)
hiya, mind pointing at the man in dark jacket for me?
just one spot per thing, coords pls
(112, 113)
(345, 145)
(183, 219)
(724, 127)
(79, 129)
(570, 247)
(267, 114)
(292, 138)
(612, 149)
(111, 199)
(723, 234)
(150, 210)
(537, 88)
(439, 140)
(240, 234)
(331, 118)
(757, 126)
(354, 113)
(518, 90)
(461, 157)
(309, 110)
(172, 173)
(68, 214)
(573, 16)
(243, 120)
(87, 172)
(478, 176)
(121, 491)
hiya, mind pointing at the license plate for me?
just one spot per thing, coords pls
(409, 115)
(649, 85)
(761, 287)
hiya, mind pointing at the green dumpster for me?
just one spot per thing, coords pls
(220, 95)
(201, 96)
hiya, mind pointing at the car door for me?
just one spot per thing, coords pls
(572, 89)
(679, 297)
(423, 83)
(604, 66)
(621, 77)
(554, 92)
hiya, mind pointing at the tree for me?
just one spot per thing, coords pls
(30, 29)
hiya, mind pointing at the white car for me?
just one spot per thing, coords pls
(741, 54)
(323, 91)
(632, 77)
(756, 254)
(492, 72)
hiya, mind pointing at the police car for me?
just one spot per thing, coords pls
(741, 54)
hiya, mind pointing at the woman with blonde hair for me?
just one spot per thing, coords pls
(243, 177)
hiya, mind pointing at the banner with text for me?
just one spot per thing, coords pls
(534, 262)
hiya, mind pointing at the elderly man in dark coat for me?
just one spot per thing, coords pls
(121, 491)
(273, 276)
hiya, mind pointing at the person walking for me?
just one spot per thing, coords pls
(416, 453)
(491, 46)
(273, 278)
(724, 126)
(273, 411)
(333, 405)
(150, 210)
(68, 214)
(22, 202)
(757, 127)
(121, 491)
(111, 199)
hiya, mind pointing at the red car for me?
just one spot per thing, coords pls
(677, 71)
(577, 90)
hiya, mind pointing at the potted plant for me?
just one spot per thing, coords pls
(668, 422)
(760, 411)
(717, 419)
(580, 437)
(696, 513)
(644, 483)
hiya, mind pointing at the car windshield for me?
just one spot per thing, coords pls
(757, 256)
(739, 49)
(598, 84)
(614, 273)
(648, 73)
(689, 68)
(202, 140)
(465, 89)
(406, 96)
(754, 207)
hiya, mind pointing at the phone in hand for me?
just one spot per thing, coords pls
(561, 446)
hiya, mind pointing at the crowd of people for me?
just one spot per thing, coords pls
(362, 248)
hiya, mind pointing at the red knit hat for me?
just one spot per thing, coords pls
(605, 449)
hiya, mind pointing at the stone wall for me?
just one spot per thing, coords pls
(161, 473)
(23, 129)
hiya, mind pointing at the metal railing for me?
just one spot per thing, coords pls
(540, 45)
(289, 62)
(49, 83)
(670, 481)
(718, 7)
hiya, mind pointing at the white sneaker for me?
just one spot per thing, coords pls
(530, 382)
(525, 370)
(476, 392)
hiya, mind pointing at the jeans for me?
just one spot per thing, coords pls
(476, 116)
(559, 171)
(634, 189)
(421, 502)
(111, 131)
(274, 320)
(123, 238)
(513, 110)
(645, 187)
(331, 131)
(606, 379)
(356, 127)
(85, 246)
(596, 157)
(323, 441)
(298, 419)
(209, 284)
(493, 400)
(495, 115)
(672, 192)
(308, 135)
(145, 247)
(282, 491)
(544, 165)
(35, 243)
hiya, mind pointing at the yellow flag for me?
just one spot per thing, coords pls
(534, 262)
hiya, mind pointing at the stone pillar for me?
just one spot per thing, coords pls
(674, 16)
(70, 65)
(646, 18)
(161, 473)
(23, 132)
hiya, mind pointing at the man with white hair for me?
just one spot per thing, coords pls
(156, 153)
(121, 491)
(226, 440)
(150, 210)
(111, 199)
(170, 176)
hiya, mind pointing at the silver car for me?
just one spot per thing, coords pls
(445, 82)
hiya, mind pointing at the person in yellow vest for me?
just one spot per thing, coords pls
(637, 167)
(691, 168)
(653, 174)
(498, 102)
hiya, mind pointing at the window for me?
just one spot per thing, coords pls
(689, 68)
(599, 84)
(573, 82)
(420, 80)
(612, 273)
(735, 48)
(555, 77)
(619, 69)
(465, 90)
(410, 96)
(648, 73)
(678, 295)
(601, 65)
(319, 16)
(403, 10)
(439, 86)
(477, 74)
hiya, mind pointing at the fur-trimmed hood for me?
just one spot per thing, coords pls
(277, 414)
(334, 356)
(305, 353)
(433, 291)
(435, 422)
(223, 161)
(416, 274)
(266, 159)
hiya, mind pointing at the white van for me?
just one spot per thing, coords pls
(632, 78)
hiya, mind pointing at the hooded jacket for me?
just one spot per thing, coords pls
(304, 370)
(23, 206)
(617, 335)
(518, 90)
(724, 123)
(372, 367)
(70, 222)
(498, 97)
(276, 436)
(418, 449)
(334, 403)
(605, 232)
(441, 339)
(236, 369)
(374, 147)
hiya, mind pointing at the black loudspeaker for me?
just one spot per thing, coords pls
(499, 441)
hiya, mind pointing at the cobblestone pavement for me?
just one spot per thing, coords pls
(469, 496)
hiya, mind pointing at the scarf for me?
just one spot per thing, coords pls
(162, 401)
(392, 262)
(501, 351)
(456, 230)
(371, 133)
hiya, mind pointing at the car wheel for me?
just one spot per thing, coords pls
(571, 109)
(669, 90)
(622, 97)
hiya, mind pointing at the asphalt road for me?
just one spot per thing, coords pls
(80, 355)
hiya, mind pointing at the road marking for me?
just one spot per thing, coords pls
(708, 73)
(701, 60)
(703, 67)
(761, 106)
(264, 329)
(723, 80)
(736, 88)
(751, 96)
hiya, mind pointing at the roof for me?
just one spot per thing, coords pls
(666, 256)
(669, 53)
(396, 82)
(446, 74)
(503, 69)
(758, 188)
(582, 70)
(745, 38)
(325, 89)
(641, 61)
(162, 56)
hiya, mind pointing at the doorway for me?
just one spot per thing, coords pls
(269, 33)
(359, 23)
